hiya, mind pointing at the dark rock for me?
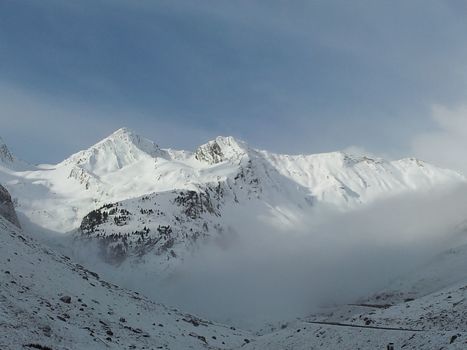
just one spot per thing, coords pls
(47, 330)
(66, 299)
(200, 337)
(7, 208)
(210, 153)
(193, 320)
(37, 346)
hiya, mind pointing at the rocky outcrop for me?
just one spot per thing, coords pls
(221, 149)
(5, 155)
(210, 153)
(7, 209)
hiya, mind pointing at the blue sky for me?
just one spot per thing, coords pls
(288, 76)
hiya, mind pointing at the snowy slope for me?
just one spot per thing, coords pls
(48, 300)
(305, 336)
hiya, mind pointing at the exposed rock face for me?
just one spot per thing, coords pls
(210, 153)
(7, 209)
(5, 155)
(220, 150)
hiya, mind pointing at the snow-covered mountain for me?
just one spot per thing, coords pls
(135, 198)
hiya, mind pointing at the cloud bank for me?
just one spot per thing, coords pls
(265, 274)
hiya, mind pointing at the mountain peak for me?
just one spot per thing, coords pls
(123, 132)
(121, 148)
(126, 135)
(220, 149)
(5, 154)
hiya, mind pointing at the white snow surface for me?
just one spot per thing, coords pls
(125, 165)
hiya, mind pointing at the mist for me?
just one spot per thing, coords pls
(261, 273)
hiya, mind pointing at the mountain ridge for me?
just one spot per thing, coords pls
(125, 155)
(115, 177)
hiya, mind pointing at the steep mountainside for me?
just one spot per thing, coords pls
(49, 302)
(167, 225)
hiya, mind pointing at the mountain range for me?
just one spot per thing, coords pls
(139, 200)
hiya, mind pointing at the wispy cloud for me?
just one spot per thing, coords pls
(446, 143)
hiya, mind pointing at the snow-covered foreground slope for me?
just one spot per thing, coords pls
(305, 336)
(47, 300)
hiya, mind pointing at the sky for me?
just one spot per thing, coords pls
(298, 76)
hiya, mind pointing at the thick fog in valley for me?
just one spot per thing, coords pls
(257, 273)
